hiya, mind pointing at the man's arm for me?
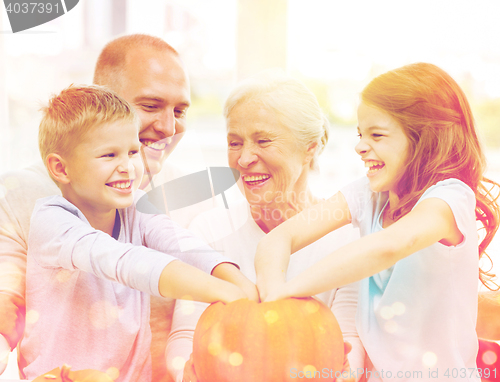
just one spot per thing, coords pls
(19, 191)
(12, 274)
(488, 317)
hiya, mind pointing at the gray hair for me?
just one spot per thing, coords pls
(296, 106)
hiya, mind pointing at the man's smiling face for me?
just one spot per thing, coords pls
(156, 84)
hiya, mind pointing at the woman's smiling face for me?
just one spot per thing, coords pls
(383, 146)
(272, 163)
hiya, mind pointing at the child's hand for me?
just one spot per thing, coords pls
(228, 272)
(251, 291)
(231, 293)
(4, 353)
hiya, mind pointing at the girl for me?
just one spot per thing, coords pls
(416, 210)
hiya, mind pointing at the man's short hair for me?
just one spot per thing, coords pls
(112, 60)
(76, 111)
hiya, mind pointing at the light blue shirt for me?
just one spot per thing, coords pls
(419, 316)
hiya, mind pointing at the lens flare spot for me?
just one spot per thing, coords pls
(386, 312)
(187, 307)
(312, 307)
(489, 357)
(178, 363)
(32, 316)
(271, 316)
(398, 308)
(235, 359)
(391, 326)
(103, 314)
(63, 275)
(309, 371)
(429, 359)
(113, 373)
(214, 348)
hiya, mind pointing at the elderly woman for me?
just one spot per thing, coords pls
(275, 133)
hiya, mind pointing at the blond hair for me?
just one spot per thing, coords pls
(76, 111)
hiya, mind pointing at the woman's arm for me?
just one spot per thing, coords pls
(273, 251)
(430, 221)
(344, 306)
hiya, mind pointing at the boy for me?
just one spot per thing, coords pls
(87, 249)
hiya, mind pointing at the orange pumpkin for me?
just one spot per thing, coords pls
(64, 374)
(268, 342)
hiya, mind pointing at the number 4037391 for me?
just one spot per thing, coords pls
(470, 372)
(33, 8)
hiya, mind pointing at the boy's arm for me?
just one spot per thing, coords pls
(183, 281)
(162, 234)
(59, 238)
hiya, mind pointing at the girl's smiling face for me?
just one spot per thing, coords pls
(383, 146)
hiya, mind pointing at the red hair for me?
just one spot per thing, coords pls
(436, 117)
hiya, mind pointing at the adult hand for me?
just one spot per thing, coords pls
(348, 375)
(4, 353)
(189, 373)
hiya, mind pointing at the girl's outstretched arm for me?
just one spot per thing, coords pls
(430, 221)
(273, 251)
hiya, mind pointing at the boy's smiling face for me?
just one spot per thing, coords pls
(104, 169)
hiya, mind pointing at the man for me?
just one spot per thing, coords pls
(149, 74)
